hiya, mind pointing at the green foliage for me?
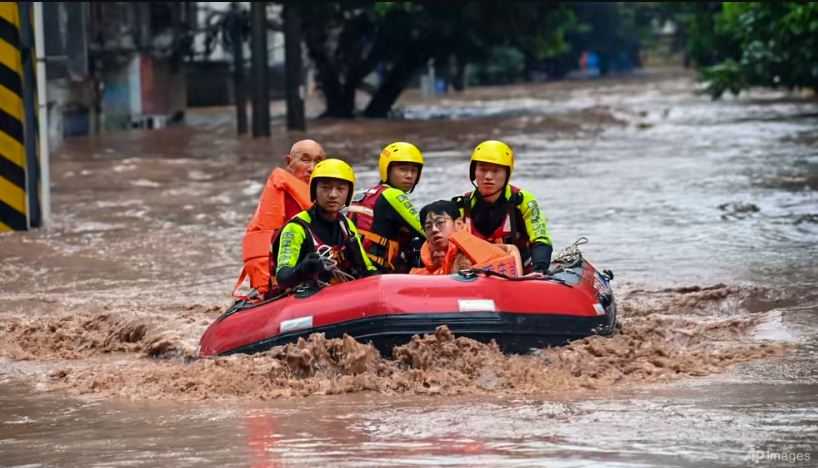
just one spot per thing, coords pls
(348, 41)
(725, 76)
(700, 31)
(614, 30)
(710, 39)
(778, 43)
(540, 32)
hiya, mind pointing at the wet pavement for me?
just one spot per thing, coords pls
(706, 211)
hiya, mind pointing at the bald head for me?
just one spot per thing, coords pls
(308, 146)
(303, 157)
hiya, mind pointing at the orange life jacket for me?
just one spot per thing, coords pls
(362, 213)
(481, 253)
(283, 197)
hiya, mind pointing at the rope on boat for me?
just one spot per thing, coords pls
(470, 272)
(570, 255)
(331, 264)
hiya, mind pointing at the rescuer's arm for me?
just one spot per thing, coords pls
(403, 206)
(289, 271)
(536, 226)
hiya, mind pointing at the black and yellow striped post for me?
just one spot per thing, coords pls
(17, 193)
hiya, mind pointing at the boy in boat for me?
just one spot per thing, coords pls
(385, 215)
(449, 248)
(285, 194)
(321, 227)
(501, 213)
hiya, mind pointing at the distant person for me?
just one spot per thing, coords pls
(449, 248)
(502, 213)
(583, 61)
(384, 213)
(285, 194)
(298, 245)
(593, 64)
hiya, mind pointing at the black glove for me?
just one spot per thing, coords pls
(307, 269)
(311, 265)
(413, 256)
(541, 257)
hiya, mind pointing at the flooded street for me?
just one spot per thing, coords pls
(707, 213)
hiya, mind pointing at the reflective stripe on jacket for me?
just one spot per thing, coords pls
(297, 239)
(522, 206)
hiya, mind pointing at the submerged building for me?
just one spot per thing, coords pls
(115, 65)
(121, 65)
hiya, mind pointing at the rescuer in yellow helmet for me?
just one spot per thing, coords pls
(321, 227)
(502, 213)
(385, 215)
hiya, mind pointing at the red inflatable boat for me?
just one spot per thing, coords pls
(387, 310)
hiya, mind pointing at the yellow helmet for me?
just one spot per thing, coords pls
(399, 151)
(494, 152)
(332, 169)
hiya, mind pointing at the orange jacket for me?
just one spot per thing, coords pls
(481, 254)
(283, 197)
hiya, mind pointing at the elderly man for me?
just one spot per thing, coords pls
(285, 195)
(450, 248)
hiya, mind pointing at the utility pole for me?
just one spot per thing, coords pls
(294, 76)
(31, 82)
(238, 68)
(261, 89)
(42, 115)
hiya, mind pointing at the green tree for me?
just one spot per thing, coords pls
(349, 41)
(614, 30)
(778, 44)
(700, 32)
(507, 58)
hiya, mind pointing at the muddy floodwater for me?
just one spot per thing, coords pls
(707, 213)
